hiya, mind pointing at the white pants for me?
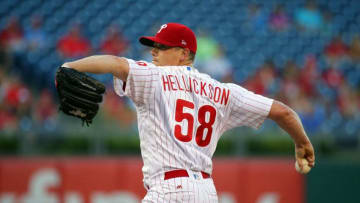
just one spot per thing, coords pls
(182, 189)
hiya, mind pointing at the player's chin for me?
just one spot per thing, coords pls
(157, 63)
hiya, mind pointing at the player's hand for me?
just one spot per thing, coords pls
(305, 151)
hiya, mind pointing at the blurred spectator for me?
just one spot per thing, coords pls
(336, 52)
(207, 49)
(35, 36)
(348, 101)
(279, 20)
(45, 107)
(309, 18)
(218, 67)
(116, 108)
(308, 76)
(12, 36)
(15, 105)
(289, 85)
(256, 20)
(73, 44)
(263, 79)
(311, 113)
(333, 77)
(114, 42)
(16, 94)
(354, 51)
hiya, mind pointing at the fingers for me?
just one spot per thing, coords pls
(305, 152)
(311, 160)
(310, 155)
(300, 162)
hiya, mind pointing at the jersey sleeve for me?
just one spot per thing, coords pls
(119, 86)
(140, 81)
(247, 108)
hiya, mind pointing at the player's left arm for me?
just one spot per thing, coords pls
(115, 65)
(288, 120)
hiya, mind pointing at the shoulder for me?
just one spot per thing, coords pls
(140, 64)
(238, 90)
(143, 68)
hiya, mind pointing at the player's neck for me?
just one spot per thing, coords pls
(186, 63)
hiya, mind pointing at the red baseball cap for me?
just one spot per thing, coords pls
(174, 35)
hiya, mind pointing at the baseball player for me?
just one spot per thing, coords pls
(182, 113)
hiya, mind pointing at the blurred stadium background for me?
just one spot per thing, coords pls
(304, 53)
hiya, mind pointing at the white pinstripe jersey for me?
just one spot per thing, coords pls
(182, 113)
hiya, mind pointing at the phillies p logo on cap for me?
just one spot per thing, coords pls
(162, 27)
(173, 35)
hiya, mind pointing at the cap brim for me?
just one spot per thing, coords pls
(147, 41)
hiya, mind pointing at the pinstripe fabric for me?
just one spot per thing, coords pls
(215, 107)
(186, 189)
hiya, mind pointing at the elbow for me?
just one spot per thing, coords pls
(65, 65)
(120, 68)
(280, 112)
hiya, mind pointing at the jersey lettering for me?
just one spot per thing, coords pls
(172, 83)
(205, 125)
(202, 87)
(180, 115)
(217, 94)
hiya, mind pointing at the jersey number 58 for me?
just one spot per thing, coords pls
(180, 115)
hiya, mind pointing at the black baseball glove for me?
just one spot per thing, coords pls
(79, 94)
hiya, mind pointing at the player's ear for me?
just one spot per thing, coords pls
(185, 54)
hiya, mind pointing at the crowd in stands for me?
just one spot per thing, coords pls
(25, 107)
(319, 92)
(21, 109)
